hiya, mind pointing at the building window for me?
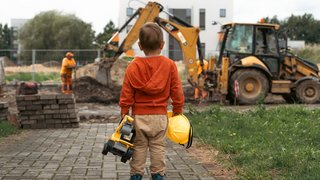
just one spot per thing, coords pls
(188, 16)
(202, 19)
(203, 49)
(129, 11)
(129, 28)
(223, 12)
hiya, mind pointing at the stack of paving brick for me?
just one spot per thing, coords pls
(3, 111)
(47, 111)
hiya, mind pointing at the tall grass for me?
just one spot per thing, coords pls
(39, 77)
(280, 143)
(311, 53)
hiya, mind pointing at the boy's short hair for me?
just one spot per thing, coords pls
(150, 36)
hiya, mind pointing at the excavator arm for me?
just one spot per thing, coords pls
(188, 39)
(146, 14)
(186, 35)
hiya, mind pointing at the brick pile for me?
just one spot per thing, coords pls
(3, 111)
(47, 111)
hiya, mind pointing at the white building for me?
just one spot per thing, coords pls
(199, 13)
(16, 25)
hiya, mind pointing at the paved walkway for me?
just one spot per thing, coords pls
(76, 154)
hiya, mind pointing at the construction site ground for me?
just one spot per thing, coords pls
(75, 153)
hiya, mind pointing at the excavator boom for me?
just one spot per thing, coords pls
(186, 35)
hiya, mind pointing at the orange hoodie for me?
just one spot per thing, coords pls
(148, 84)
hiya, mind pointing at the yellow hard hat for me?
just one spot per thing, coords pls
(69, 54)
(180, 130)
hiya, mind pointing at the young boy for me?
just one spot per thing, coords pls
(148, 84)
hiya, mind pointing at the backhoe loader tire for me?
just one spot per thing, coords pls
(308, 91)
(253, 86)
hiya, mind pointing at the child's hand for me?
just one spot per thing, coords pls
(122, 117)
(175, 114)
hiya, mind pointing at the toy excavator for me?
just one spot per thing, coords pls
(120, 143)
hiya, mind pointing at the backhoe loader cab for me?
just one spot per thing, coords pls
(242, 40)
(252, 64)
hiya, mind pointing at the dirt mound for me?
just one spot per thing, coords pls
(51, 64)
(89, 90)
(117, 71)
(7, 61)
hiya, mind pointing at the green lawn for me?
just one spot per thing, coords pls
(280, 143)
(39, 77)
(6, 128)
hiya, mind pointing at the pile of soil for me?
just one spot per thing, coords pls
(89, 90)
(7, 61)
(51, 64)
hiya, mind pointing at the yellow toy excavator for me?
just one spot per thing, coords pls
(120, 143)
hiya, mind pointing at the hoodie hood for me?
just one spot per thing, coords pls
(150, 74)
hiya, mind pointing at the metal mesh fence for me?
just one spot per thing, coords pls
(41, 65)
(48, 57)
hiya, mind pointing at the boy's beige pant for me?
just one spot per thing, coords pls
(150, 133)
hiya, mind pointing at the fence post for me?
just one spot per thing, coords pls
(33, 63)
(98, 53)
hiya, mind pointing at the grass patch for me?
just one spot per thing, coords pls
(280, 143)
(310, 53)
(6, 128)
(39, 77)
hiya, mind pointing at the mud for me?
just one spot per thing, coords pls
(98, 113)
(89, 90)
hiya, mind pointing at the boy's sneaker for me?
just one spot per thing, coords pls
(157, 177)
(136, 177)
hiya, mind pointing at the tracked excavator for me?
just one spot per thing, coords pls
(252, 61)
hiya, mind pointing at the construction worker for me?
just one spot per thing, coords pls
(199, 89)
(68, 64)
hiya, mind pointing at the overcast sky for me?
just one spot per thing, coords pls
(99, 12)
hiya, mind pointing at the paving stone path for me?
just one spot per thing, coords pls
(75, 153)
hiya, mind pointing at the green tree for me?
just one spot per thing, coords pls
(5, 39)
(273, 20)
(107, 33)
(54, 30)
(304, 27)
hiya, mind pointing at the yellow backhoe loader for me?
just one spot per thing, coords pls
(253, 62)
(250, 65)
